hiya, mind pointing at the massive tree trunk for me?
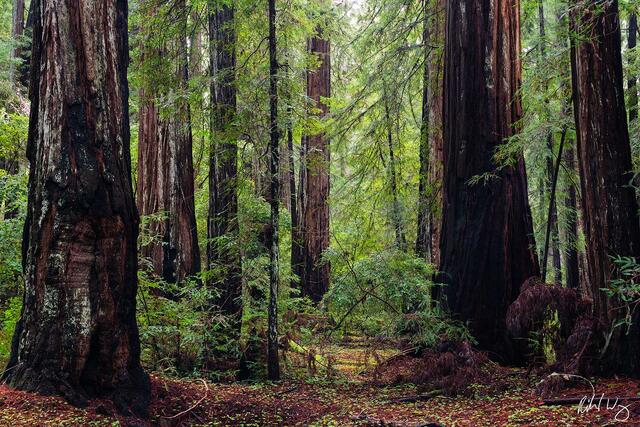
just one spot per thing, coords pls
(431, 156)
(315, 278)
(608, 203)
(165, 173)
(77, 335)
(223, 252)
(487, 246)
(273, 361)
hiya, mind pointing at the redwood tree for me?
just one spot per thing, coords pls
(222, 249)
(487, 248)
(431, 162)
(165, 168)
(77, 335)
(610, 211)
(316, 271)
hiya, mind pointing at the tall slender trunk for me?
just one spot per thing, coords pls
(223, 252)
(633, 79)
(273, 361)
(431, 141)
(77, 335)
(424, 247)
(297, 242)
(552, 214)
(315, 280)
(165, 172)
(609, 205)
(487, 244)
(396, 214)
(571, 269)
(17, 28)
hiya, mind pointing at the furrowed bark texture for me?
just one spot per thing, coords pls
(315, 280)
(222, 250)
(431, 159)
(610, 211)
(165, 177)
(77, 335)
(487, 246)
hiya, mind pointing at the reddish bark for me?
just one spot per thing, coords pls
(610, 211)
(431, 149)
(165, 177)
(77, 335)
(487, 247)
(316, 272)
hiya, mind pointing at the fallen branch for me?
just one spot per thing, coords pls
(186, 411)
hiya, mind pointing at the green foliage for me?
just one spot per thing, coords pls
(388, 294)
(625, 288)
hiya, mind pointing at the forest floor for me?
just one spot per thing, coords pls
(355, 393)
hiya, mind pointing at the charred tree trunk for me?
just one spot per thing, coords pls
(633, 79)
(315, 278)
(487, 244)
(77, 335)
(165, 174)
(223, 252)
(608, 203)
(273, 361)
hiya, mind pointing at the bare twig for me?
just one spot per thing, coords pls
(194, 406)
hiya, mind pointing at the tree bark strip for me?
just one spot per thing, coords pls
(77, 335)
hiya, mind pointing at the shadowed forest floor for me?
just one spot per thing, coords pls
(356, 393)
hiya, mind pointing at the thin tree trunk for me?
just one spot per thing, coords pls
(401, 240)
(608, 203)
(17, 28)
(487, 244)
(165, 184)
(315, 280)
(424, 247)
(552, 215)
(571, 269)
(632, 80)
(77, 335)
(273, 361)
(223, 252)
(297, 242)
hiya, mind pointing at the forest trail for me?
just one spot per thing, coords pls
(354, 394)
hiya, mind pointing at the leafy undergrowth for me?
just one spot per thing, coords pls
(355, 395)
